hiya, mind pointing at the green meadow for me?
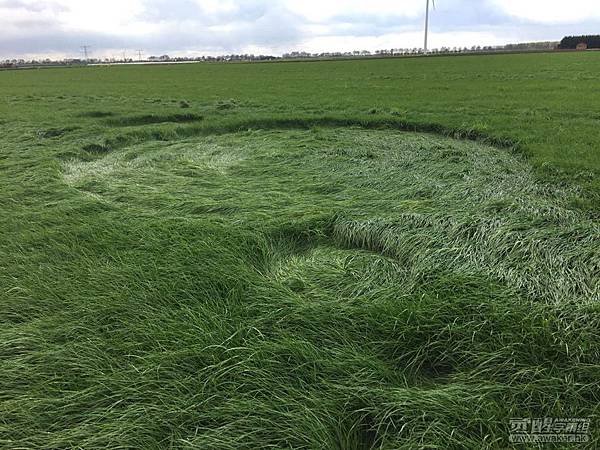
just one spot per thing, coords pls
(366, 254)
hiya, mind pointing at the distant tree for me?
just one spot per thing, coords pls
(571, 42)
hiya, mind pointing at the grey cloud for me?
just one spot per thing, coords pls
(189, 10)
(56, 40)
(36, 7)
(195, 33)
(254, 22)
(449, 15)
(460, 14)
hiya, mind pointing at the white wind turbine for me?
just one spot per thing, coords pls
(427, 24)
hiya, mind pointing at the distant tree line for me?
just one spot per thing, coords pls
(571, 42)
(15, 63)
(527, 46)
(232, 57)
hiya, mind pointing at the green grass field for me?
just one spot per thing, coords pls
(398, 253)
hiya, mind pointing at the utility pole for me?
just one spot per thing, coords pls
(139, 55)
(86, 49)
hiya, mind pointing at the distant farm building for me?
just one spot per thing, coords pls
(581, 46)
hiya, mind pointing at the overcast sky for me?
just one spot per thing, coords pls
(58, 28)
